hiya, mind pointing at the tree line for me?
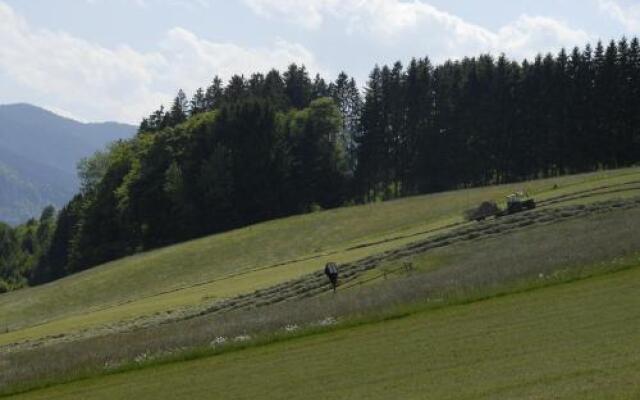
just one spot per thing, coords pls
(278, 144)
(484, 120)
(22, 248)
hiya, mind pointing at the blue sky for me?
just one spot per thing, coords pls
(118, 60)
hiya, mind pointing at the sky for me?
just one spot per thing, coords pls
(118, 60)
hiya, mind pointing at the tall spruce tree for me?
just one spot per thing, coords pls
(213, 95)
(179, 109)
(298, 86)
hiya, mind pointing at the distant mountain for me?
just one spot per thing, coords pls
(39, 151)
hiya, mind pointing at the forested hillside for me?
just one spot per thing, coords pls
(26, 186)
(39, 151)
(278, 144)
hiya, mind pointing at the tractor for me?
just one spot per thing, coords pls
(516, 203)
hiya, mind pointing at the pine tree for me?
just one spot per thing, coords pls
(213, 95)
(319, 88)
(144, 125)
(372, 147)
(396, 130)
(157, 119)
(274, 90)
(634, 106)
(236, 90)
(179, 109)
(346, 95)
(198, 103)
(577, 94)
(297, 86)
(610, 130)
(419, 114)
(626, 101)
(255, 85)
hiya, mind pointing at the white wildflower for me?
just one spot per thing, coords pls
(291, 328)
(110, 365)
(327, 321)
(220, 340)
(140, 358)
(242, 338)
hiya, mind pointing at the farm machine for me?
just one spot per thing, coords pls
(516, 202)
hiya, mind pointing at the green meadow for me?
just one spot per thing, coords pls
(262, 255)
(570, 341)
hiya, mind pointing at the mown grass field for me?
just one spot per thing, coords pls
(571, 341)
(492, 265)
(258, 256)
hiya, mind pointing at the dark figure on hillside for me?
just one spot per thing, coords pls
(331, 271)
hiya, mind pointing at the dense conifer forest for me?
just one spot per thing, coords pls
(277, 144)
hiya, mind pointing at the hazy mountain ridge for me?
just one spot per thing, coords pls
(39, 151)
(26, 186)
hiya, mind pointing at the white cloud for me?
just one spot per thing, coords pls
(123, 83)
(443, 35)
(119, 82)
(193, 59)
(309, 14)
(190, 4)
(627, 15)
(529, 35)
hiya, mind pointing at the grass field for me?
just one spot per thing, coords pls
(491, 265)
(571, 341)
(173, 301)
(247, 259)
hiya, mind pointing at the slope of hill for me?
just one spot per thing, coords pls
(39, 151)
(211, 269)
(574, 341)
(269, 275)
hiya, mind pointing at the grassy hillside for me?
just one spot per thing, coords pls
(572, 341)
(259, 256)
(124, 313)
